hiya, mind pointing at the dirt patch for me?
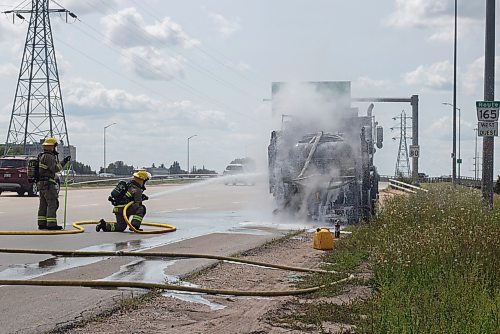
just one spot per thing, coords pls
(223, 314)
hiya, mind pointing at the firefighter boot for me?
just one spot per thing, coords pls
(101, 226)
(54, 228)
(136, 222)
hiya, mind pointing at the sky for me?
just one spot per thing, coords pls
(166, 70)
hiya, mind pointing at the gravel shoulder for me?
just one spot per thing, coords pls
(181, 313)
(164, 313)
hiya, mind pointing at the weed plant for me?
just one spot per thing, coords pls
(436, 261)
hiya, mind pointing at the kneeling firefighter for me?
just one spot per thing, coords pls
(124, 193)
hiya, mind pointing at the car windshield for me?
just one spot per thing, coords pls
(12, 163)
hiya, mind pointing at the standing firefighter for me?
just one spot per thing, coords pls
(123, 194)
(48, 166)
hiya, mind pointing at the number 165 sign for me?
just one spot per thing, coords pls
(487, 111)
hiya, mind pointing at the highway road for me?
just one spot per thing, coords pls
(210, 216)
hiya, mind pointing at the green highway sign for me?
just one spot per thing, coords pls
(488, 111)
(488, 104)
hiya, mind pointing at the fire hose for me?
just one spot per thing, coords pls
(163, 286)
(164, 228)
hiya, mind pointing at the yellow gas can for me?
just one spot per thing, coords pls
(323, 239)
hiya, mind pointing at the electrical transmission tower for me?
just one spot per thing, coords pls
(403, 162)
(38, 110)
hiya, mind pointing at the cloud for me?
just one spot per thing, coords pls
(153, 64)
(365, 82)
(80, 7)
(93, 98)
(12, 35)
(437, 15)
(127, 28)
(225, 26)
(474, 76)
(436, 76)
(94, 95)
(8, 70)
(239, 66)
(144, 47)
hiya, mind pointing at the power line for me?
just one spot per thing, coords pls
(180, 84)
(207, 53)
(190, 63)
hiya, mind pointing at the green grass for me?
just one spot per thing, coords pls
(435, 259)
(436, 264)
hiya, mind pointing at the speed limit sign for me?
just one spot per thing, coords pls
(487, 111)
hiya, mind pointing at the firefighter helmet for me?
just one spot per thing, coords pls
(143, 175)
(50, 141)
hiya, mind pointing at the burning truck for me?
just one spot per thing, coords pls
(326, 171)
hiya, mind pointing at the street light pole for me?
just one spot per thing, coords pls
(476, 170)
(188, 153)
(454, 172)
(459, 155)
(459, 162)
(107, 126)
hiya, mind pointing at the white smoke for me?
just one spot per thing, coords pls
(313, 109)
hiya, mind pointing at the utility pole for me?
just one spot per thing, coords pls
(489, 95)
(38, 110)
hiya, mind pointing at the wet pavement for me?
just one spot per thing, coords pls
(210, 218)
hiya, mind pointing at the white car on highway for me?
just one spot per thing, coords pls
(236, 174)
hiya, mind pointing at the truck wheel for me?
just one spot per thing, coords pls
(33, 189)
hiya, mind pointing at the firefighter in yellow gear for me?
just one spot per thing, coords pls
(48, 166)
(137, 210)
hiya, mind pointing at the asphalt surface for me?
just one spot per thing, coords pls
(211, 218)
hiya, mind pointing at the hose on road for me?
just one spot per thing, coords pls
(164, 228)
(77, 253)
(161, 286)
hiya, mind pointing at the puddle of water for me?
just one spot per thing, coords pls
(55, 264)
(193, 297)
(153, 271)
(205, 223)
(150, 271)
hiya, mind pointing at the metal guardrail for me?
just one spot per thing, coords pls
(92, 179)
(463, 181)
(405, 186)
